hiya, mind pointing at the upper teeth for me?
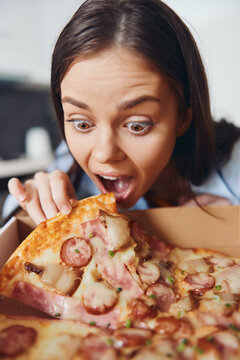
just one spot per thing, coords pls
(109, 177)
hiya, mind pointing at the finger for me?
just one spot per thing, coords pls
(59, 183)
(32, 203)
(73, 201)
(48, 206)
(70, 190)
(16, 188)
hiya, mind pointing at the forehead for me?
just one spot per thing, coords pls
(120, 55)
(118, 68)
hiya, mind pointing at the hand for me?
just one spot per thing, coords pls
(205, 199)
(44, 195)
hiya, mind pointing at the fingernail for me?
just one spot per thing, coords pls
(66, 209)
(73, 201)
(22, 197)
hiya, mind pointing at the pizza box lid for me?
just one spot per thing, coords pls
(217, 228)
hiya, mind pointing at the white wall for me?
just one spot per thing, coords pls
(29, 28)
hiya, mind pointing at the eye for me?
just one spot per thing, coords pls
(138, 127)
(81, 125)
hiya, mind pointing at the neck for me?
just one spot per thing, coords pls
(170, 188)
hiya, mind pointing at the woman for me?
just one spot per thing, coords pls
(132, 102)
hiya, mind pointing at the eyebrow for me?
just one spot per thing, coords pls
(129, 104)
(80, 104)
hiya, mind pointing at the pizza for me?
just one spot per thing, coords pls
(127, 295)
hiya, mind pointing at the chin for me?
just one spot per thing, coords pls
(124, 205)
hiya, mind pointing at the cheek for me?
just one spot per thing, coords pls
(78, 148)
(152, 156)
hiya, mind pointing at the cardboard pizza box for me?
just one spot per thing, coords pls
(216, 228)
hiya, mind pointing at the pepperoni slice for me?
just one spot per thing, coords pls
(99, 298)
(164, 295)
(96, 348)
(208, 347)
(76, 252)
(200, 282)
(15, 339)
(167, 325)
(220, 260)
(132, 337)
(140, 311)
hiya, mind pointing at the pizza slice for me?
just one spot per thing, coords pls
(78, 266)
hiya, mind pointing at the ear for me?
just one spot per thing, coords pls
(184, 123)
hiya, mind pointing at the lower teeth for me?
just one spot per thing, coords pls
(117, 186)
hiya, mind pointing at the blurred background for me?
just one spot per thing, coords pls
(28, 31)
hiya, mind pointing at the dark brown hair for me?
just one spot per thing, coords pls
(155, 32)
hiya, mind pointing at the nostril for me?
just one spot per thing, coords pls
(108, 153)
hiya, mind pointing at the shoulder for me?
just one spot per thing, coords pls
(231, 170)
(224, 181)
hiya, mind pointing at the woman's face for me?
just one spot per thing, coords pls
(121, 122)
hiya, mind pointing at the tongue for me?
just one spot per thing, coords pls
(119, 186)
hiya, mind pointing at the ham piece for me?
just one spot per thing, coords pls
(60, 306)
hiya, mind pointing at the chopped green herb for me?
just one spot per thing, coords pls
(153, 296)
(181, 346)
(149, 342)
(119, 290)
(198, 350)
(180, 313)
(169, 355)
(57, 314)
(111, 253)
(92, 323)
(76, 251)
(128, 323)
(170, 280)
(218, 287)
(233, 327)
(227, 305)
(90, 235)
(182, 272)
(109, 341)
(210, 338)
(108, 325)
(216, 297)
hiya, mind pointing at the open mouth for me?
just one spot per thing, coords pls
(120, 186)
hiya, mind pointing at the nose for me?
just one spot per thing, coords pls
(107, 148)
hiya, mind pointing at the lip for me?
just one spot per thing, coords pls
(119, 198)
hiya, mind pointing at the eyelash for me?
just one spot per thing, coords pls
(144, 124)
(77, 122)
